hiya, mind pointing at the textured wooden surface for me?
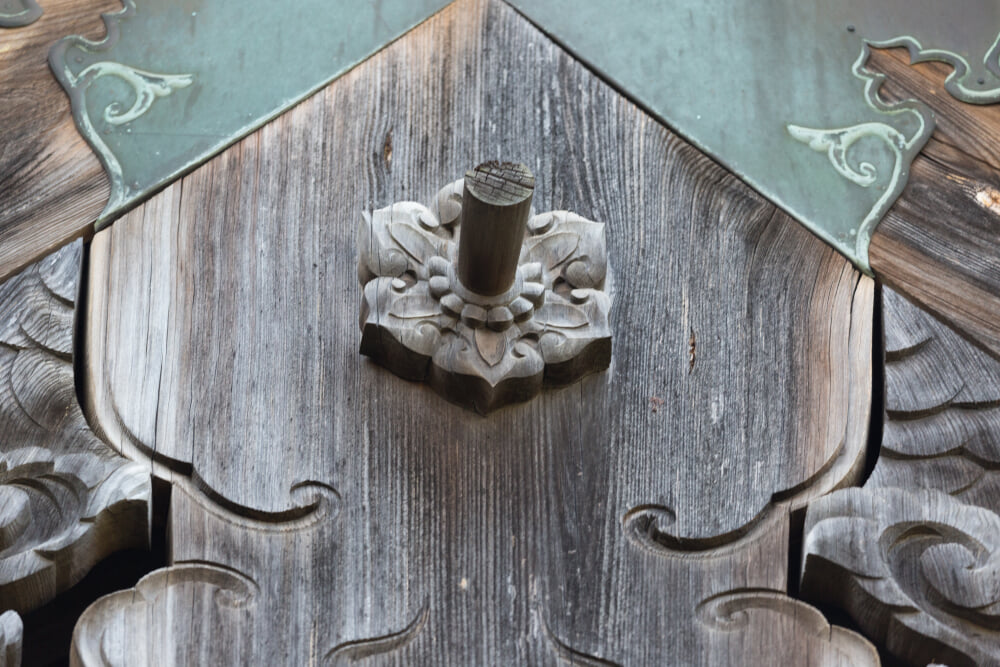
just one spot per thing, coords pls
(638, 517)
(914, 556)
(66, 499)
(11, 632)
(52, 186)
(940, 242)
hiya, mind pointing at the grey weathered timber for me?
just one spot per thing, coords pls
(914, 556)
(11, 635)
(493, 304)
(640, 516)
(66, 500)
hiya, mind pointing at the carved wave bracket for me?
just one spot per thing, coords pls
(66, 499)
(918, 569)
(914, 557)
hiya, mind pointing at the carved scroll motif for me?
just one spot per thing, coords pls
(788, 627)
(116, 630)
(19, 13)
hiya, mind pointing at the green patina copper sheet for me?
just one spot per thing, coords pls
(176, 81)
(777, 89)
(18, 13)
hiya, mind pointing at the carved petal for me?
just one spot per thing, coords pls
(448, 203)
(552, 249)
(572, 246)
(410, 306)
(376, 257)
(561, 315)
(492, 345)
(412, 241)
(391, 241)
(585, 273)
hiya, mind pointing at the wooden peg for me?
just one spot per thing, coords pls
(496, 204)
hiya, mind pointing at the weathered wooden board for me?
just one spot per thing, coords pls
(914, 556)
(244, 330)
(66, 499)
(349, 514)
(940, 243)
(11, 633)
(52, 187)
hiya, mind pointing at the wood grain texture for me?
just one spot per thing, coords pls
(66, 499)
(497, 204)
(942, 426)
(914, 557)
(940, 242)
(116, 630)
(11, 636)
(52, 186)
(915, 568)
(587, 525)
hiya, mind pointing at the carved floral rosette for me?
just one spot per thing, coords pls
(419, 321)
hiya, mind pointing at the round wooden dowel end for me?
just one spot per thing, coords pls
(495, 209)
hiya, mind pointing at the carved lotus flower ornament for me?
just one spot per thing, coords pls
(479, 298)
